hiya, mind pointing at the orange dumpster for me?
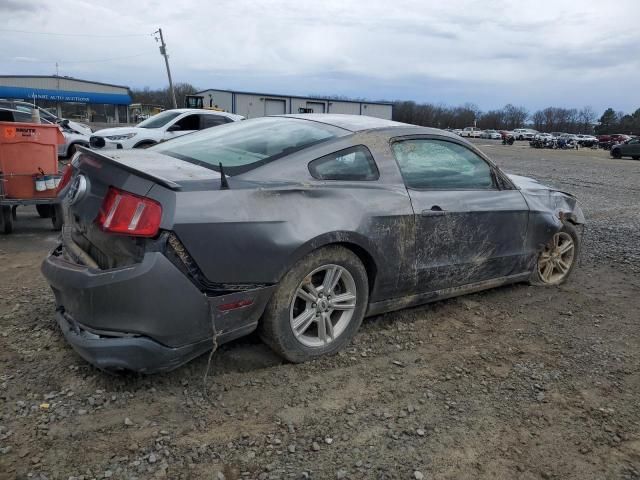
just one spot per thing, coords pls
(26, 151)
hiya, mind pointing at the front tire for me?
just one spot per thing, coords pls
(6, 219)
(616, 153)
(318, 305)
(558, 259)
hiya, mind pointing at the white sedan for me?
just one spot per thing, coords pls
(491, 135)
(160, 128)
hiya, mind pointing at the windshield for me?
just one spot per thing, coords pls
(25, 107)
(242, 146)
(159, 120)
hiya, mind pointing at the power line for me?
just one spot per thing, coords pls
(77, 34)
(104, 59)
(87, 61)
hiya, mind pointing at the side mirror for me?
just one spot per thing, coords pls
(174, 128)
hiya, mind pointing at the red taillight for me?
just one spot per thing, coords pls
(66, 178)
(234, 305)
(124, 212)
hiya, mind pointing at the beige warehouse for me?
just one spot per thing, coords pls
(252, 105)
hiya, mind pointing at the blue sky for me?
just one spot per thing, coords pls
(490, 52)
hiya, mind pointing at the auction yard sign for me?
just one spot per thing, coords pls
(33, 94)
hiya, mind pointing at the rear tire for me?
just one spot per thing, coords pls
(57, 218)
(44, 210)
(299, 300)
(558, 259)
(6, 219)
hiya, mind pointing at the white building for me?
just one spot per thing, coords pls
(252, 105)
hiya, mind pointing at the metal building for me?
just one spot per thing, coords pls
(251, 104)
(69, 97)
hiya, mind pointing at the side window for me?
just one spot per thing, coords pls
(190, 122)
(208, 121)
(22, 117)
(355, 163)
(442, 165)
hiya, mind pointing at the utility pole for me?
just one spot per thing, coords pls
(163, 52)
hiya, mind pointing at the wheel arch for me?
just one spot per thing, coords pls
(145, 142)
(353, 241)
(77, 143)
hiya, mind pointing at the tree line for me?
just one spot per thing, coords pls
(161, 97)
(550, 119)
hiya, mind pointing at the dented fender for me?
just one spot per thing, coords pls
(548, 210)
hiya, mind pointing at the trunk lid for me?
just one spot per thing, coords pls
(132, 171)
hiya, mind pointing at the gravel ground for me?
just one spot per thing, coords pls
(516, 382)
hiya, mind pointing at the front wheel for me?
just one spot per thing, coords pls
(558, 259)
(616, 153)
(6, 219)
(318, 306)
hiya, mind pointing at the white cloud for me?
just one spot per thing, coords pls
(539, 53)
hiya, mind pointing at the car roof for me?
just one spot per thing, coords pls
(202, 110)
(361, 123)
(353, 123)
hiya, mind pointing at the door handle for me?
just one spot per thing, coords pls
(433, 211)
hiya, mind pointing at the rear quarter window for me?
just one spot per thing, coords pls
(355, 163)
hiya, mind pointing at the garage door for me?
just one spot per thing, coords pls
(274, 107)
(317, 107)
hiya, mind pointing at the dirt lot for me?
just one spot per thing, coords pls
(518, 382)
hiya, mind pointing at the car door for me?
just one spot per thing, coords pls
(209, 120)
(183, 125)
(471, 223)
(632, 148)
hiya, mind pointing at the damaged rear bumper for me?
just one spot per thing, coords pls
(146, 317)
(134, 353)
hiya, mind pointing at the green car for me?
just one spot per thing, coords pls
(630, 148)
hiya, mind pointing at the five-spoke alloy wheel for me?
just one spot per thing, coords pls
(558, 258)
(323, 305)
(318, 306)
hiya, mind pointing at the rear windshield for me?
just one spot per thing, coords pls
(243, 146)
(159, 120)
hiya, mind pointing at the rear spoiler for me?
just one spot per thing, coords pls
(155, 178)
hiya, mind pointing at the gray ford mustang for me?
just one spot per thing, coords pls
(298, 226)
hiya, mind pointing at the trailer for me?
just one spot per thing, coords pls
(29, 171)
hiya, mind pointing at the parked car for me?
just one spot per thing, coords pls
(630, 148)
(159, 128)
(557, 134)
(471, 132)
(298, 226)
(491, 135)
(587, 140)
(524, 133)
(543, 136)
(45, 115)
(72, 138)
(75, 133)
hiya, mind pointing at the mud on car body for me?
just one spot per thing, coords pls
(296, 225)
